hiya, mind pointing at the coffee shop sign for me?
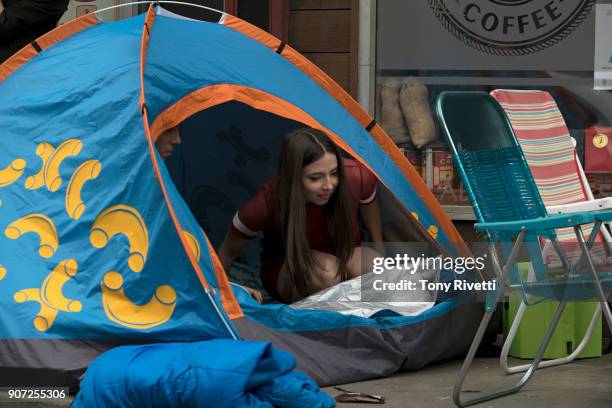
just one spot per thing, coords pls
(511, 27)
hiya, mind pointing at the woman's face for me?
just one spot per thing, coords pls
(166, 141)
(320, 179)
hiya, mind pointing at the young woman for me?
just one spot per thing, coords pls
(309, 214)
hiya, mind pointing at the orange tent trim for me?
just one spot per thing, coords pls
(229, 302)
(213, 95)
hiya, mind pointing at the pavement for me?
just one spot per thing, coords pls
(581, 384)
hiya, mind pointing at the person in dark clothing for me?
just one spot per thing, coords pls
(22, 21)
(196, 13)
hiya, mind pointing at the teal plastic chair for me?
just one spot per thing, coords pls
(511, 214)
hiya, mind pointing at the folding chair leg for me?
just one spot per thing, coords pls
(526, 377)
(503, 359)
(598, 288)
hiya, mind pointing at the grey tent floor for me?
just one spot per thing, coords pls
(581, 384)
(584, 383)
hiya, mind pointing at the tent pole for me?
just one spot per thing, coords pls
(146, 35)
(132, 3)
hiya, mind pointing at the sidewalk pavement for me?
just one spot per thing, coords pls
(582, 384)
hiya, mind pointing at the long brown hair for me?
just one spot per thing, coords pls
(300, 148)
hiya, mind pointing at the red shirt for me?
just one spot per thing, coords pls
(258, 214)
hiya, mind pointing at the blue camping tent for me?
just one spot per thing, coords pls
(99, 246)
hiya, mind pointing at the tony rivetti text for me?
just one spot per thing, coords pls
(422, 284)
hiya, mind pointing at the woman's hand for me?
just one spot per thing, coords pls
(255, 294)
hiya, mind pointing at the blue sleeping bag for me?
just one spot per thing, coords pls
(214, 373)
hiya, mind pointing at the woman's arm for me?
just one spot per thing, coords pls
(230, 249)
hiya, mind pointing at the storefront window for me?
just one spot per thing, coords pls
(426, 47)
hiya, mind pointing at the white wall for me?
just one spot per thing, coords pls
(366, 70)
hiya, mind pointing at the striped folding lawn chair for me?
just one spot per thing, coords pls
(511, 214)
(551, 156)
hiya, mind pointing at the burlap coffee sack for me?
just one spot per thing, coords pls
(392, 119)
(414, 103)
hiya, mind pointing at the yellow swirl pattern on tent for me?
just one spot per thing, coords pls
(12, 172)
(45, 316)
(120, 309)
(70, 147)
(39, 224)
(433, 231)
(74, 203)
(118, 219)
(44, 151)
(51, 289)
(50, 296)
(126, 220)
(193, 244)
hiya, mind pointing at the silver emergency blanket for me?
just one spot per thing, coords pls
(358, 297)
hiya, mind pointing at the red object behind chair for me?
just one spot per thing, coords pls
(598, 149)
